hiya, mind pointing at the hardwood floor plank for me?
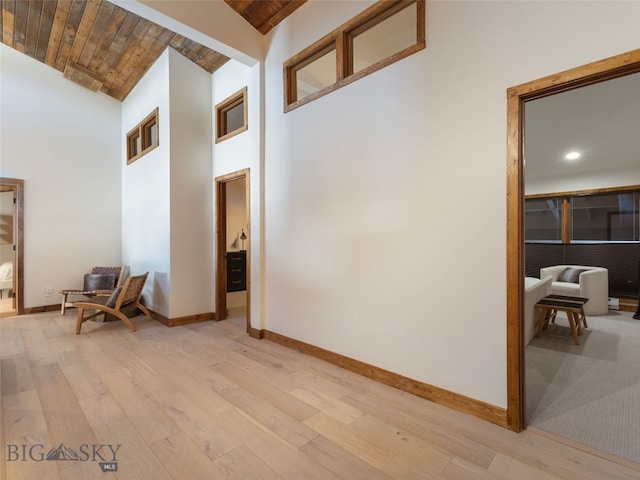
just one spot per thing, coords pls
(101, 410)
(413, 465)
(288, 462)
(242, 464)
(196, 381)
(513, 469)
(183, 459)
(24, 424)
(15, 374)
(277, 421)
(415, 455)
(458, 446)
(328, 385)
(50, 328)
(11, 341)
(206, 399)
(80, 470)
(353, 440)
(60, 346)
(461, 469)
(261, 387)
(23, 418)
(65, 422)
(198, 347)
(237, 358)
(211, 435)
(339, 461)
(83, 380)
(36, 345)
(244, 427)
(326, 403)
(148, 418)
(136, 460)
(30, 468)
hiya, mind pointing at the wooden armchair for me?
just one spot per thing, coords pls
(125, 296)
(99, 281)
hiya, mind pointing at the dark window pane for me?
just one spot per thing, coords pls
(543, 219)
(608, 217)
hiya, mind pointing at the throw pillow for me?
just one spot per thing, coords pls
(96, 281)
(571, 275)
(111, 301)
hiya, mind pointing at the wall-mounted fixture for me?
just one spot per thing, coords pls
(243, 237)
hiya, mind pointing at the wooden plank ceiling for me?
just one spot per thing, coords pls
(108, 49)
(263, 15)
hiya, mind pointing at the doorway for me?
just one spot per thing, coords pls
(11, 246)
(596, 72)
(233, 242)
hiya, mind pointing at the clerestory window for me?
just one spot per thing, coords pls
(381, 35)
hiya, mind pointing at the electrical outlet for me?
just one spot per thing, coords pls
(48, 291)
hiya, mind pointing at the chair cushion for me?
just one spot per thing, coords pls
(571, 275)
(111, 301)
(97, 281)
(565, 288)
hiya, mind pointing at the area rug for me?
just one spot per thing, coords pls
(588, 393)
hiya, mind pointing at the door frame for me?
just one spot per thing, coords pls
(221, 242)
(17, 186)
(596, 72)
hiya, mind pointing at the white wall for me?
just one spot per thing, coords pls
(146, 189)
(385, 200)
(64, 141)
(192, 226)
(167, 193)
(245, 151)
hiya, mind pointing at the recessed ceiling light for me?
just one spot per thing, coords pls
(572, 155)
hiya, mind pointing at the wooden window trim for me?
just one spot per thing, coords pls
(143, 132)
(342, 40)
(223, 107)
(577, 193)
(567, 217)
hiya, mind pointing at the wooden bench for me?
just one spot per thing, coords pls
(574, 308)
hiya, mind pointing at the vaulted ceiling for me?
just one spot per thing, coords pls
(263, 15)
(105, 48)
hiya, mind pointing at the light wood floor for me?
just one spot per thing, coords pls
(206, 401)
(6, 306)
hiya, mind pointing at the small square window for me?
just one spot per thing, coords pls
(150, 133)
(143, 138)
(133, 144)
(231, 116)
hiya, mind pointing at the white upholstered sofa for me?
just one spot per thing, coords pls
(581, 281)
(534, 290)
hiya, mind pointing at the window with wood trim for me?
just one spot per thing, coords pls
(601, 216)
(143, 138)
(381, 35)
(231, 116)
